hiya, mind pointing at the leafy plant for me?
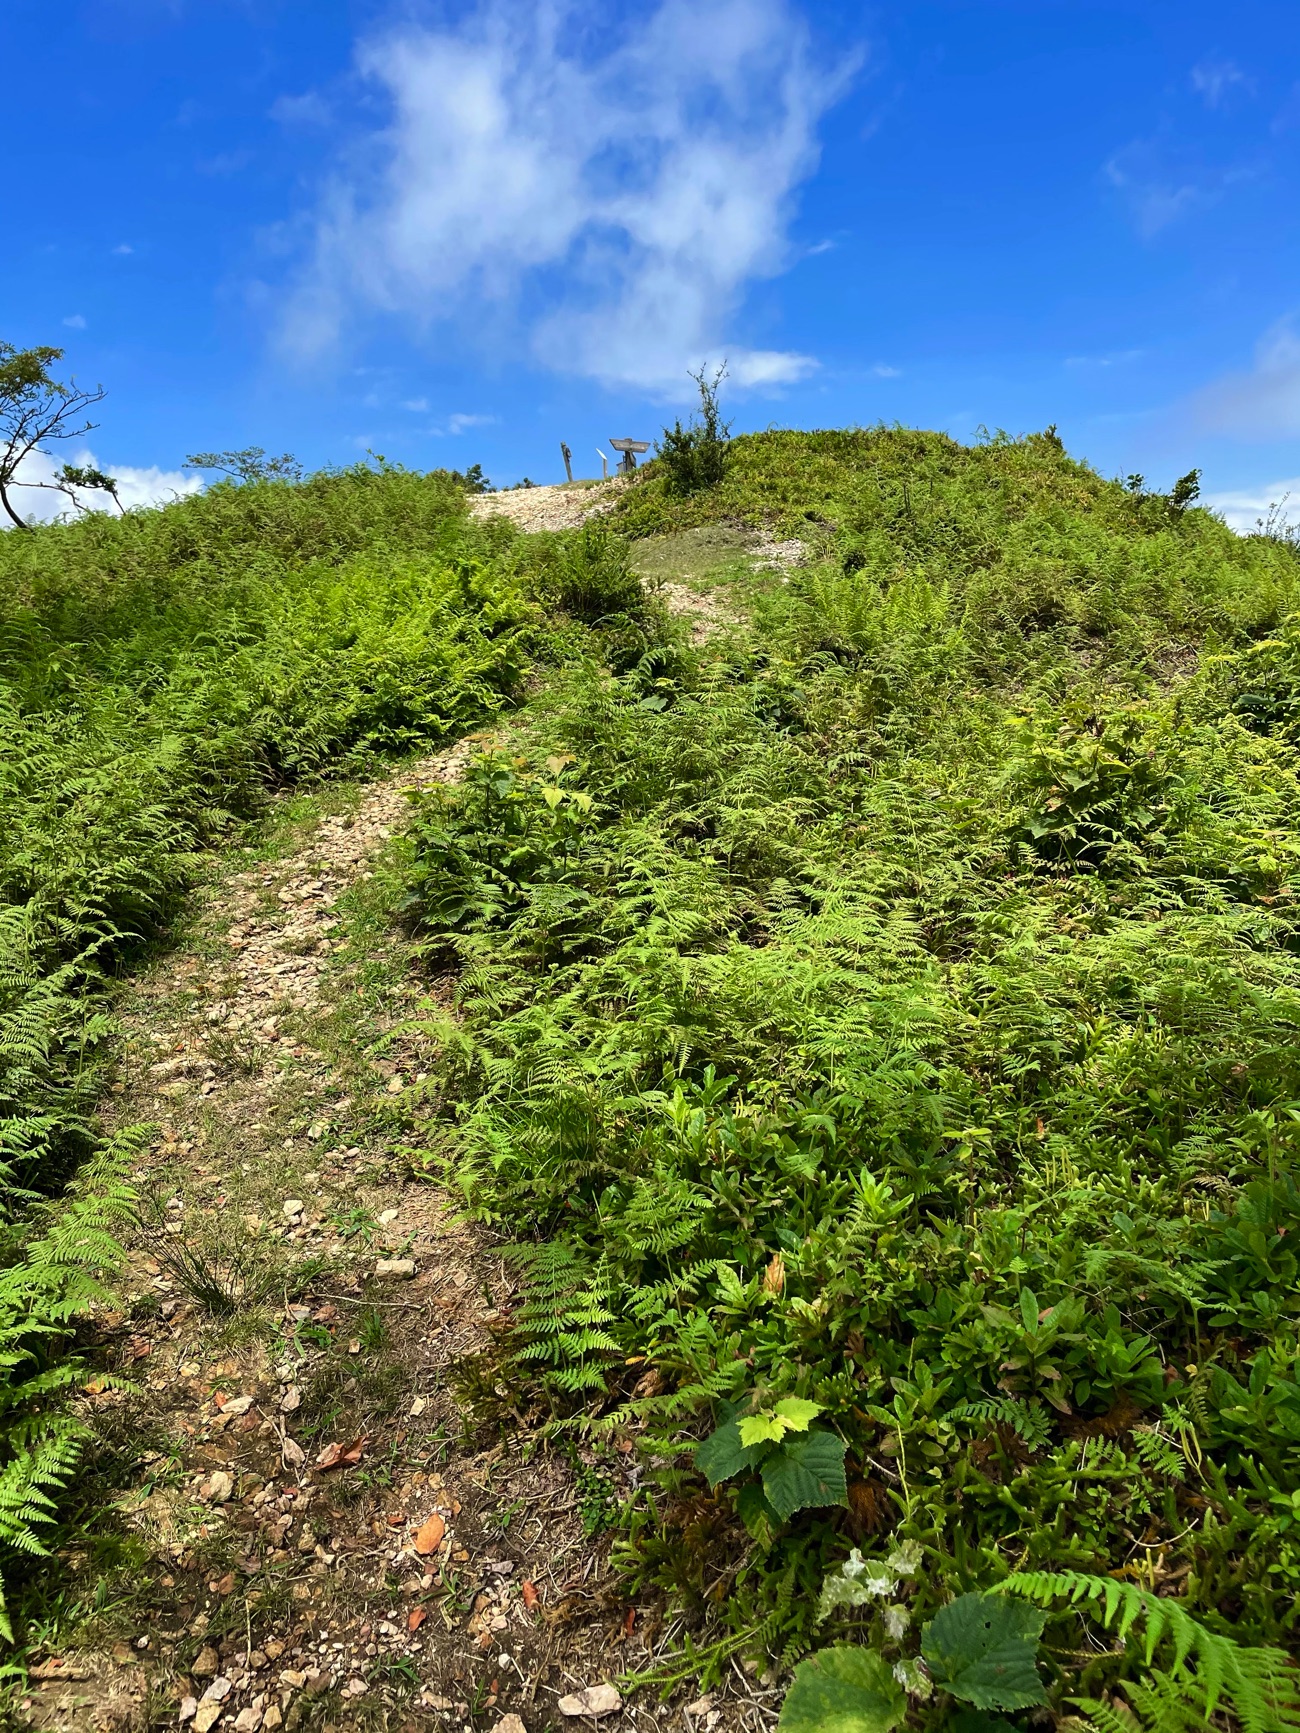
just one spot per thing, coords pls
(800, 1466)
(843, 1690)
(980, 1648)
(695, 457)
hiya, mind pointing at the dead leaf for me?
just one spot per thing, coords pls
(417, 1617)
(429, 1538)
(531, 1596)
(226, 1584)
(341, 1455)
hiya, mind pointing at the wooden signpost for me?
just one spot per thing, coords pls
(568, 460)
(629, 448)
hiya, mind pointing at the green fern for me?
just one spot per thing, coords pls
(1259, 1685)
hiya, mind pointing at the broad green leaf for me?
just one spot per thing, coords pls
(846, 1689)
(797, 1413)
(981, 1648)
(1029, 1308)
(756, 1513)
(976, 1721)
(805, 1471)
(723, 1454)
(762, 1429)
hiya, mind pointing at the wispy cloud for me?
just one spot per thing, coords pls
(1160, 185)
(606, 198)
(1262, 403)
(122, 250)
(883, 371)
(308, 110)
(1116, 358)
(75, 321)
(460, 423)
(1245, 509)
(1215, 80)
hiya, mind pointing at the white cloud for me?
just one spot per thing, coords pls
(135, 487)
(1263, 403)
(75, 321)
(1214, 79)
(459, 423)
(883, 371)
(616, 204)
(1243, 511)
(123, 250)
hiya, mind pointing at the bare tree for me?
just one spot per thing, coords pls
(250, 464)
(35, 410)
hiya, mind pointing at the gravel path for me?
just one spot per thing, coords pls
(550, 508)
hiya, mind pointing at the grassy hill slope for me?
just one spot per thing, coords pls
(878, 1028)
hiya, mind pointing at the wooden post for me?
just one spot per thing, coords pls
(568, 460)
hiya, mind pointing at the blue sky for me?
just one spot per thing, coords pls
(462, 232)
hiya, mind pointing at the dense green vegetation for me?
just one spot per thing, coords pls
(158, 673)
(885, 1021)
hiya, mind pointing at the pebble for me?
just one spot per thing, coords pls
(395, 1269)
(595, 1700)
(509, 1724)
(218, 1489)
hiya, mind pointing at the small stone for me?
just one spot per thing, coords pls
(316, 1132)
(239, 1405)
(188, 1710)
(395, 1269)
(509, 1724)
(291, 1400)
(207, 1715)
(386, 1216)
(218, 1690)
(292, 1208)
(206, 1663)
(595, 1700)
(274, 1649)
(218, 1489)
(273, 1717)
(248, 1720)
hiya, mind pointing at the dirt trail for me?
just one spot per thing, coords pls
(315, 1534)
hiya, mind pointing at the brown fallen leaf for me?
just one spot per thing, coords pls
(429, 1538)
(531, 1596)
(341, 1455)
(416, 1618)
(226, 1584)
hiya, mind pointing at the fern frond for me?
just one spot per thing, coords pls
(1260, 1684)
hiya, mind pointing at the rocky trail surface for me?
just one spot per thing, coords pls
(311, 1524)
